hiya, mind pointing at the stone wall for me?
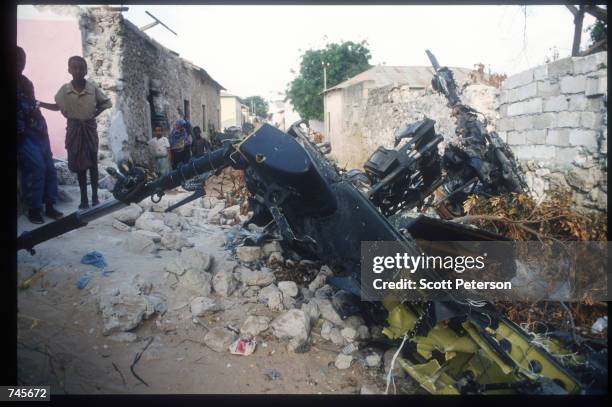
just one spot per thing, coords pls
(371, 118)
(138, 73)
(555, 119)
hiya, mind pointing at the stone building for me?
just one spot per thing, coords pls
(148, 84)
(362, 112)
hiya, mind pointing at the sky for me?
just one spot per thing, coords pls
(251, 50)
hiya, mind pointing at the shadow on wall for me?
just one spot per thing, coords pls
(48, 45)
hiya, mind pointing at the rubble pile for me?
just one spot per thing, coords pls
(304, 310)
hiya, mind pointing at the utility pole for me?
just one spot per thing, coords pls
(325, 65)
(578, 19)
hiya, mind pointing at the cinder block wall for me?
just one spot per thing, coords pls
(554, 117)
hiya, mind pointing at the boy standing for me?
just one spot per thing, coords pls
(160, 148)
(81, 101)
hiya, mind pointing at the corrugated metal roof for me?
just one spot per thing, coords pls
(413, 76)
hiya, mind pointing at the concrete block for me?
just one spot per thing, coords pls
(534, 152)
(582, 66)
(558, 137)
(587, 138)
(503, 110)
(523, 92)
(516, 138)
(596, 86)
(577, 103)
(540, 72)
(573, 84)
(523, 123)
(566, 154)
(503, 97)
(546, 88)
(505, 124)
(561, 67)
(543, 121)
(568, 119)
(590, 63)
(535, 136)
(595, 104)
(503, 135)
(519, 79)
(591, 120)
(525, 107)
(555, 103)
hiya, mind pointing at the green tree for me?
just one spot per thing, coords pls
(598, 31)
(343, 61)
(258, 103)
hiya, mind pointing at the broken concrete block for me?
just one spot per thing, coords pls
(197, 282)
(256, 277)
(128, 215)
(328, 312)
(291, 324)
(231, 212)
(312, 310)
(224, 283)
(335, 335)
(172, 220)
(289, 288)
(124, 312)
(326, 329)
(138, 243)
(185, 211)
(271, 296)
(175, 241)
(121, 226)
(219, 339)
(148, 221)
(318, 282)
(349, 334)
(289, 302)
(343, 361)
(248, 254)
(203, 305)
(373, 360)
(150, 235)
(254, 325)
(194, 259)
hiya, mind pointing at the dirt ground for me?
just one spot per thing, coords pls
(60, 340)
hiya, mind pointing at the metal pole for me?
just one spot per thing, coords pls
(324, 76)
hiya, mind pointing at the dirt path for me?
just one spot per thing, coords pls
(60, 340)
